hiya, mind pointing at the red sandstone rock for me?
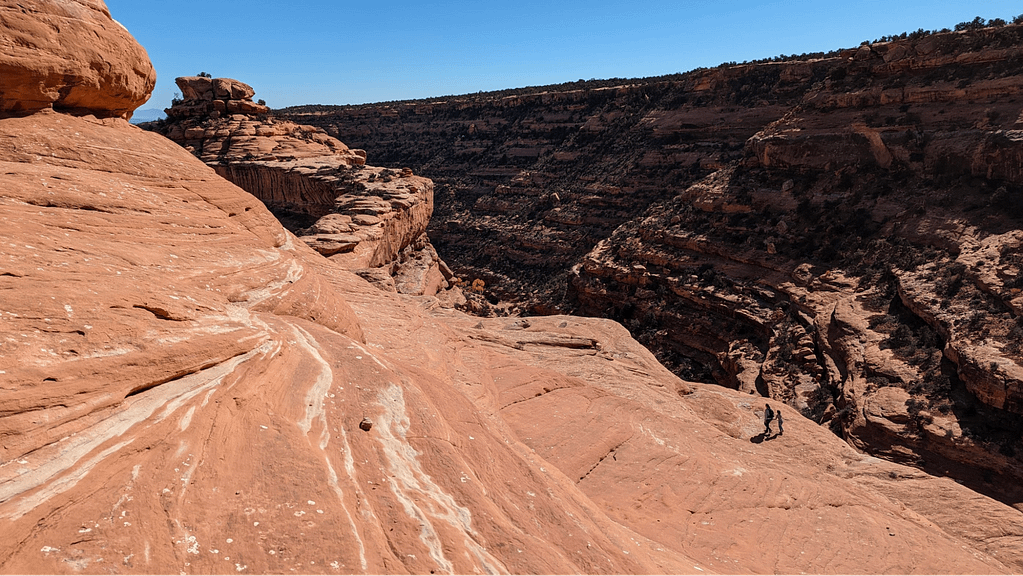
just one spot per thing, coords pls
(183, 392)
(298, 169)
(182, 384)
(203, 96)
(72, 56)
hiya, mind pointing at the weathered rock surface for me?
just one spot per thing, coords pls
(364, 218)
(815, 231)
(186, 387)
(71, 56)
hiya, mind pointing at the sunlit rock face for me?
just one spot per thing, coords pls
(370, 220)
(72, 56)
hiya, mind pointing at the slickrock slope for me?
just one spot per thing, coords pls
(372, 220)
(840, 233)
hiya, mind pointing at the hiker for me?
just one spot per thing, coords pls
(777, 416)
(768, 416)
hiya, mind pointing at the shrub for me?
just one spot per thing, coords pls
(976, 24)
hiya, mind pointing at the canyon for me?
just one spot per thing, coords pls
(839, 232)
(187, 385)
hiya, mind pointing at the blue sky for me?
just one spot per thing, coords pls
(343, 52)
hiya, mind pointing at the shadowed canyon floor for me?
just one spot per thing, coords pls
(186, 386)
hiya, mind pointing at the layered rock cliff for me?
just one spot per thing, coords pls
(185, 386)
(372, 220)
(840, 233)
(529, 181)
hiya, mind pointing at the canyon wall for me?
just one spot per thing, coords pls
(840, 233)
(369, 220)
(528, 181)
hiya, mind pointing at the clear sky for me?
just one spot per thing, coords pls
(342, 52)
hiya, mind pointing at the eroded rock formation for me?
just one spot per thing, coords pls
(372, 220)
(71, 56)
(207, 97)
(841, 233)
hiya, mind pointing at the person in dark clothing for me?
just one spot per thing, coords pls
(768, 417)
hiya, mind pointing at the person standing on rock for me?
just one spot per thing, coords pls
(768, 416)
(777, 416)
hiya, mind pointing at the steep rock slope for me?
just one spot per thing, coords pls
(372, 220)
(841, 233)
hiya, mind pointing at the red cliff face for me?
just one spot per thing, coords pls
(841, 234)
(370, 220)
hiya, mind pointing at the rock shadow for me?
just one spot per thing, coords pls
(763, 437)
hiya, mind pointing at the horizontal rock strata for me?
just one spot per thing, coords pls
(360, 216)
(818, 231)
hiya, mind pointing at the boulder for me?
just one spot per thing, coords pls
(72, 56)
(195, 87)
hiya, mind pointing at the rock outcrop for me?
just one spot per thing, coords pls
(820, 231)
(186, 387)
(206, 97)
(71, 56)
(371, 220)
